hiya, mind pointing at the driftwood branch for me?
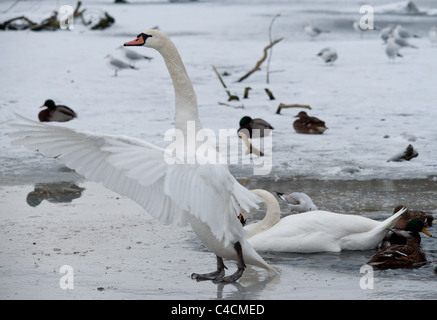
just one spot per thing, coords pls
(246, 92)
(230, 105)
(79, 14)
(271, 50)
(284, 106)
(219, 76)
(250, 147)
(52, 22)
(408, 154)
(104, 22)
(258, 64)
(230, 96)
(270, 94)
(8, 24)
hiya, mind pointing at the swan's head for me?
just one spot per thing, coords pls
(151, 39)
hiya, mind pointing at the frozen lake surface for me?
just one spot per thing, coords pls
(373, 109)
(117, 251)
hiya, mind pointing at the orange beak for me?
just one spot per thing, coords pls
(137, 42)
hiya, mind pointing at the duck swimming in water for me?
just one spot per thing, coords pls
(406, 253)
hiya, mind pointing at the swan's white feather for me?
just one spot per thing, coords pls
(137, 169)
(207, 196)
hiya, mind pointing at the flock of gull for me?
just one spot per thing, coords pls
(395, 38)
(207, 196)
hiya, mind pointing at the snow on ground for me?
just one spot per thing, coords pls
(373, 108)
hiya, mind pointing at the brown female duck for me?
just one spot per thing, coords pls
(427, 217)
(308, 125)
(406, 255)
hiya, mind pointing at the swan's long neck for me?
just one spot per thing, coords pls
(185, 97)
(272, 217)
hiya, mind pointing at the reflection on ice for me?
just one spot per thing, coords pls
(53, 192)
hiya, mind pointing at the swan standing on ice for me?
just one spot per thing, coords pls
(315, 231)
(207, 196)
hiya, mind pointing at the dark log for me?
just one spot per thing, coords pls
(284, 106)
(104, 22)
(9, 25)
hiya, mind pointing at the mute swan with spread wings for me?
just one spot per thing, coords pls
(207, 196)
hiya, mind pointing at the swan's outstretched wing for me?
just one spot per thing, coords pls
(137, 169)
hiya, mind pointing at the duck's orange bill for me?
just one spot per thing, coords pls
(137, 42)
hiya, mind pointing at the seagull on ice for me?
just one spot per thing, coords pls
(329, 55)
(401, 32)
(298, 201)
(386, 33)
(313, 31)
(403, 43)
(132, 55)
(117, 64)
(392, 50)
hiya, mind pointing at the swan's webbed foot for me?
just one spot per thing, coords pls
(219, 273)
(241, 266)
(229, 279)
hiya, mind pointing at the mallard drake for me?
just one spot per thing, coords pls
(400, 235)
(426, 217)
(407, 254)
(308, 125)
(55, 112)
(263, 127)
